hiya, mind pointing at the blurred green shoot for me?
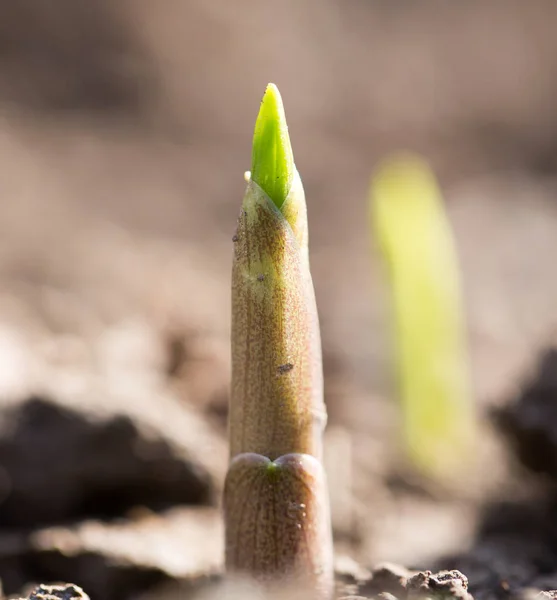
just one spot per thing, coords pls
(415, 238)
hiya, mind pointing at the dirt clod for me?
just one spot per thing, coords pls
(62, 591)
(530, 421)
(445, 584)
(389, 578)
(390, 581)
(285, 368)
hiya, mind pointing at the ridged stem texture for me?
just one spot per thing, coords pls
(276, 503)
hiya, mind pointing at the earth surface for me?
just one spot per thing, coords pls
(125, 130)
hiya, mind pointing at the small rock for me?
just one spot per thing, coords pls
(61, 591)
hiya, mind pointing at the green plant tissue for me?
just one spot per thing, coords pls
(416, 242)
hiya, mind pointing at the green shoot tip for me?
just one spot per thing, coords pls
(272, 158)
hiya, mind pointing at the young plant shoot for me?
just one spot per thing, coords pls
(275, 500)
(414, 235)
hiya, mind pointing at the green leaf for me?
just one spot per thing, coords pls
(272, 158)
(415, 237)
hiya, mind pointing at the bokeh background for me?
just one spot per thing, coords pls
(125, 130)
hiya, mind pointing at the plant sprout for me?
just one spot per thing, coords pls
(275, 500)
(415, 238)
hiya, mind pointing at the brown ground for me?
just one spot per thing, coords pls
(124, 134)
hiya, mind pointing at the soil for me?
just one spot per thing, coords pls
(124, 136)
